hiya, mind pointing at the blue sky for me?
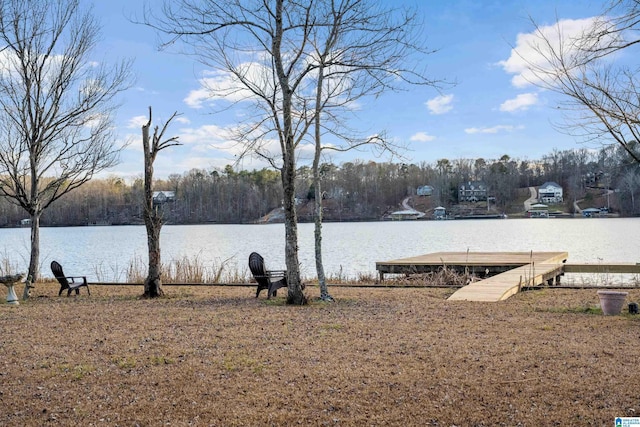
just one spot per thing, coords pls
(491, 111)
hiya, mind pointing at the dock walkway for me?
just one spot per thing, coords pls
(508, 271)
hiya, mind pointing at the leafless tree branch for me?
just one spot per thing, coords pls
(55, 105)
(599, 89)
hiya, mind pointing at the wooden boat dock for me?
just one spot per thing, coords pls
(507, 272)
(479, 263)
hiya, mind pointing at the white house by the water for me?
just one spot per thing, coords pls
(550, 192)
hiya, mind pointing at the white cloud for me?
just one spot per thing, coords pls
(520, 102)
(222, 85)
(146, 91)
(440, 104)
(194, 162)
(494, 129)
(197, 97)
(133, 142)
(206, 134)
(200, 139)
(201, 147)
(137, 122)
(422, 137)
(525, 54)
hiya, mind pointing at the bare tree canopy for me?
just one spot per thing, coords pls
(267, 57)
(55, 105)
(592, 64)
(357, 53)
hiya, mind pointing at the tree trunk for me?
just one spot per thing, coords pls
(324, 290)
(295, 294)
(34, 259)
(153, 282)
(288, 171)
(27, 289)
(317, 205)
(152, 218)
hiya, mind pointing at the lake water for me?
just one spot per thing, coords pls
(350, 249)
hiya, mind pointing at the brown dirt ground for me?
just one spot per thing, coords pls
(217, 356)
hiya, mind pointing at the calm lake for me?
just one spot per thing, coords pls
(350, 249)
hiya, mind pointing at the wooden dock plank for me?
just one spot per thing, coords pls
(476, 258)
(618, 267)
(502, 286)
(491, 262)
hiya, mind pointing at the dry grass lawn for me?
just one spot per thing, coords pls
(398, 357)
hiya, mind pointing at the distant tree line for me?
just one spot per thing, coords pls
(358, 190)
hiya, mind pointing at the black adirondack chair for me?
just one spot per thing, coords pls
(271, 280)
(69, 283)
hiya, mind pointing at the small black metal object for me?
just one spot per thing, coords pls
(633, 308)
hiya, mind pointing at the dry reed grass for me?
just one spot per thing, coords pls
(188, 270)
(217, 356)
(444, 277)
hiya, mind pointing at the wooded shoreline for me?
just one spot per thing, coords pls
(353, 191)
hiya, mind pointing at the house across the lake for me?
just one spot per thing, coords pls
(425, 190)
(550, 192)
(161, 197)
(472, 191)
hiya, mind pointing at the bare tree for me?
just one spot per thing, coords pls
(153, 219)
(55, 106)
(261, 47)
(358, 51)
(600, 89)
(289, 59)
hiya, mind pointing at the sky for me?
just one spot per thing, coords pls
(488, 111)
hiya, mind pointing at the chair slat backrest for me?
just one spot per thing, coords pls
(256, 264)
(56, 269)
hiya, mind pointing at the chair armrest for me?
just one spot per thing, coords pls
(84, 278)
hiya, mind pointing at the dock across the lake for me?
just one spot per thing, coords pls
(506, 272)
